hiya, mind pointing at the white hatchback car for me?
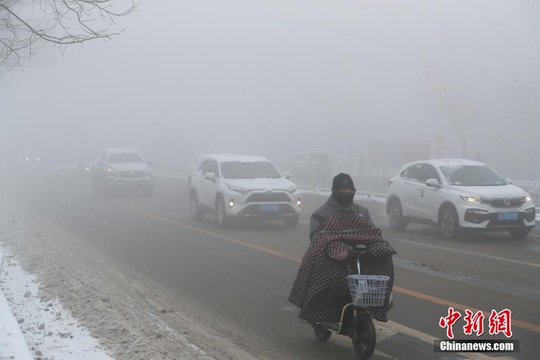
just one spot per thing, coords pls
(237, 186)
(458, 194)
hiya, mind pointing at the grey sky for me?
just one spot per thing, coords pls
(273, 78)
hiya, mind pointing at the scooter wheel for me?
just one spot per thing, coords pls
(321, 333)
(365, 339)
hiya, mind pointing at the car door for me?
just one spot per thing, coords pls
(210, 187)
(409, 190)
(200, 183)
(429, 196)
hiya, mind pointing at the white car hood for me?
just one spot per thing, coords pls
(129, 166)
(261, 184)
(492, 192)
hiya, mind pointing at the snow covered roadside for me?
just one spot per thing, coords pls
(50, 330)
(72, 302)
(12, 342)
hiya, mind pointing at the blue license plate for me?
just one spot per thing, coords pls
(269, 207)
(508, 216)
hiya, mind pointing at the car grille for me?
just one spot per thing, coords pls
(505, 203)
(271, 197)
(253, 210)
(129, 174)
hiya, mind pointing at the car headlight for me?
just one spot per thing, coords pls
(112, 171)
(292, 190)
(527, 199)
(238, 189)
(472, 199)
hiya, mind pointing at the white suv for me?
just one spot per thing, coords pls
(124, 170)
(457, 194)
(235, 186)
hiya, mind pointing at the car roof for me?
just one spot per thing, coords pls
(447, 162)
(232, 157)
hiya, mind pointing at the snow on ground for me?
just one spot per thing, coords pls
(73, 302)
(50, 330)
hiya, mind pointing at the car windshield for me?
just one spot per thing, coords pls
(467, 175)
(249, 170)
(125, 158)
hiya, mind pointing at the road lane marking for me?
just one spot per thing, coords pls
(211, 233)
(470, 253)
(448, 303)
(422, 296)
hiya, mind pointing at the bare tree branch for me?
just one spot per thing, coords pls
(26, 25)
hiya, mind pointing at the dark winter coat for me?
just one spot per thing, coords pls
(332, 208)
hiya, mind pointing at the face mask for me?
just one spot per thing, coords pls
(344, 198)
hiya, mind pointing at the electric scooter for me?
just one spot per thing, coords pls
(367, 291)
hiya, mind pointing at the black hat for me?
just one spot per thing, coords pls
(342, 181)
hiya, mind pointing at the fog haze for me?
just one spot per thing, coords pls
(274, 78)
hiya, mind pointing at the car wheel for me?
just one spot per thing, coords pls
(520, 233)
(196, 213)
(450, 223)
(292, 221)
(395, 216)
(222, 218)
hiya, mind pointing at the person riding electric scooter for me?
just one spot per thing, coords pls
(340, 232)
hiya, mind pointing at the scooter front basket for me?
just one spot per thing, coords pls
(368, 290)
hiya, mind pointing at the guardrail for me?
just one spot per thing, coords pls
(367, 195)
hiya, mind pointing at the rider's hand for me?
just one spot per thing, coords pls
(340, 256)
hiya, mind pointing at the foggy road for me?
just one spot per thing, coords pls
(242, 276)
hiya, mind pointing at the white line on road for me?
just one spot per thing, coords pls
(470, 253)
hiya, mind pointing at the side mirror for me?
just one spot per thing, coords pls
(210, 176)
(286, 175)
(433, 183)
(508, 180)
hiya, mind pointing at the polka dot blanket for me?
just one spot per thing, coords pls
(320, 289)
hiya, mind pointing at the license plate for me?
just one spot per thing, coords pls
(269, 207)
(508, 216)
